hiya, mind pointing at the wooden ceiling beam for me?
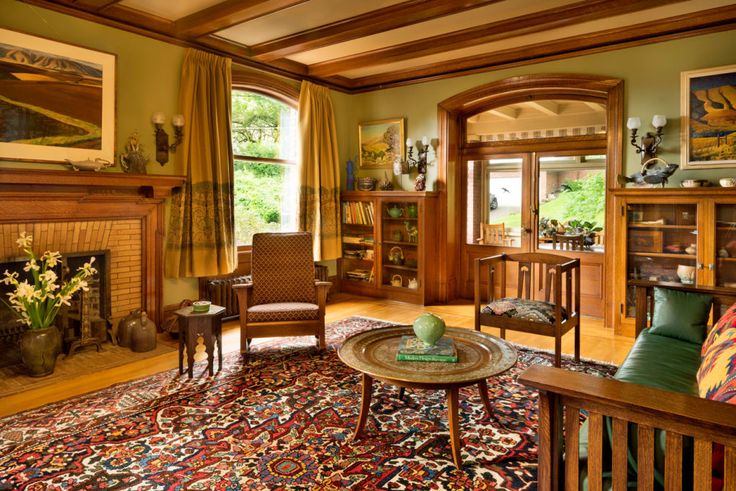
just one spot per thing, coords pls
(677, 27)
(582, 11)
(227, 14)
(95, 4)
(376, 21)
(550, 108)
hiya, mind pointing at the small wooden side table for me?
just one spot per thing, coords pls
(206, 324)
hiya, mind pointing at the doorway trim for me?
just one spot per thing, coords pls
(451, 115)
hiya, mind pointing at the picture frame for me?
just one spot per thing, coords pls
(707, 140)
(59, 99)
(381, 142)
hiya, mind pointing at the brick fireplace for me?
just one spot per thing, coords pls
(75, 212)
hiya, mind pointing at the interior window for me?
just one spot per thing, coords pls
(265, 144)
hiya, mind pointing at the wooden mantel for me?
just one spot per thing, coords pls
(39, 200)
(147, 185)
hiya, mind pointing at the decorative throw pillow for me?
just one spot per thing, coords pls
(680, 315)
(717, 373)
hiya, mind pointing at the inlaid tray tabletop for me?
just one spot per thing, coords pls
(480, 356)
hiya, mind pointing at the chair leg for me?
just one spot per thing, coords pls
(503, 333)
(558, 351)
(244, 341)
(577, 342)
(321, 337)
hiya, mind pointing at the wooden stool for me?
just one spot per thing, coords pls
(191, 326)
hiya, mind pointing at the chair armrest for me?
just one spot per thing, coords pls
(718, 419)
(244, 293)
(322, 288)
(570, 265)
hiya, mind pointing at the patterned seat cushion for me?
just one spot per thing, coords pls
(284, 311)
(519, 308)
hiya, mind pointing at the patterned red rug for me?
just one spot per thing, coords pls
(283, 421)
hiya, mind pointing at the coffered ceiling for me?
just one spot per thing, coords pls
(358, 45)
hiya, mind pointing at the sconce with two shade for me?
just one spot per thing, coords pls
(404, 166)
(162, 138)
(649, 142)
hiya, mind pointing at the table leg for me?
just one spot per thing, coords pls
(365, 404)
(219, 349)
(191, 348)
(182, 331)
(483, 389)
(454, 424)
(209, 345)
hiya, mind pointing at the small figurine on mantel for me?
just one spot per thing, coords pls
(134, 160)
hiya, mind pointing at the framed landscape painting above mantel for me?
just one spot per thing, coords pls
(57, 100)
(381, 143)
(708, 108)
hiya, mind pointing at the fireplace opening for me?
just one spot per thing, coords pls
(85, 320)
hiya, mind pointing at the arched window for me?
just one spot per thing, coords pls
(265, 145)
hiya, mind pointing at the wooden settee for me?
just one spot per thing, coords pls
(564, 394)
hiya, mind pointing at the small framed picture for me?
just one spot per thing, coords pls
(645, 241)
(381, 143)
(708, 135)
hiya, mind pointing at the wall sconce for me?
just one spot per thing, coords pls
(649, 142)
(162, 138)
(420, 162)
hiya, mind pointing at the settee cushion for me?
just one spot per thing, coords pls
(662, 362)
(521, 308)
(681, 315)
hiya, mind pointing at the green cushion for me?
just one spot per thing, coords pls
(681, 315)
(663, 362)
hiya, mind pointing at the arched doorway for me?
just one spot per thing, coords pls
(457, 150)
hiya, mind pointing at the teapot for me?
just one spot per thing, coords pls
(395, 211)
(396, 255)
(413, 283)
(396, 280)
(411, 210)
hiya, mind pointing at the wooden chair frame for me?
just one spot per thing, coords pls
(563, 394)
(554, 267)
(250, 330)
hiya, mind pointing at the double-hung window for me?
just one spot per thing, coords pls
(265, 144)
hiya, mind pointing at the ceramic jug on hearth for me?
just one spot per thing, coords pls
(125, 328)
(143, 334)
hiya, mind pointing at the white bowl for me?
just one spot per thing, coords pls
(727, 182)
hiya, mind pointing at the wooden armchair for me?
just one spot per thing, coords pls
(494, 234)
(548, 317)
(283, 298)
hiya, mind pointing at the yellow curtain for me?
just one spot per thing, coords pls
(201, 239)
(319, 194)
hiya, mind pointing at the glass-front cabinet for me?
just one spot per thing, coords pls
(680, 236)
(389, 245)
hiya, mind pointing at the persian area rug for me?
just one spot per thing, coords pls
(282, 421)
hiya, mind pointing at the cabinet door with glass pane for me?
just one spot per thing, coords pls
(724, 265)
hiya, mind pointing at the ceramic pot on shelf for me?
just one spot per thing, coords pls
(686, 274)
(397, 280)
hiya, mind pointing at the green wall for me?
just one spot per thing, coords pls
(148, 81)
(651, 76)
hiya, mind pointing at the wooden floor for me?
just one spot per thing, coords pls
(597, 342)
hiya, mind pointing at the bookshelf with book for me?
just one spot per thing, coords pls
(388, 241)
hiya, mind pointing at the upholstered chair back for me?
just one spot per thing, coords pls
(283, 268)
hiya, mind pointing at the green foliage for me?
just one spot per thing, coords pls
(590, 198)
(255, 126)
(257, 199)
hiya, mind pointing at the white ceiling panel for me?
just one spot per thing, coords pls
(472, 18)
(299, 18)
(169, 9)
(544, 36)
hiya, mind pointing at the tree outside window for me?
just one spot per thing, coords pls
(264, 134)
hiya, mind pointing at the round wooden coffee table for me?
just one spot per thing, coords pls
(480, 355)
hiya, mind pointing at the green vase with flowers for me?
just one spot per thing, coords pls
(37, 299)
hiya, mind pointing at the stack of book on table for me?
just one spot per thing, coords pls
(412, 348)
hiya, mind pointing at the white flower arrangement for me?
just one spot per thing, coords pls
(37, 304)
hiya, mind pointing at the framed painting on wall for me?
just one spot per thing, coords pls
(57, 100)
(708, 110)
(381, 143)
